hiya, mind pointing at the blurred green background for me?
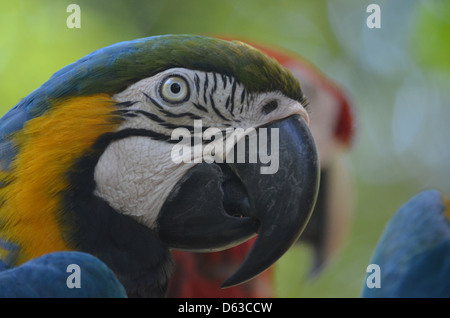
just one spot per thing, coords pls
(398, 77)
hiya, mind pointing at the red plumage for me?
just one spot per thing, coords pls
(199, 275)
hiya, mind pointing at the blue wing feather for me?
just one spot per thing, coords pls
(46, 277)
(414, 250)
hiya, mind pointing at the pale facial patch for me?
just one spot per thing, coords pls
(136, 174)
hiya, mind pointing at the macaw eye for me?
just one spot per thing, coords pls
(174, 89)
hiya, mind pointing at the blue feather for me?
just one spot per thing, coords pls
(46, 277)
(414, 251)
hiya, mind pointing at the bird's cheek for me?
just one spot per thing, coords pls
(135, 175)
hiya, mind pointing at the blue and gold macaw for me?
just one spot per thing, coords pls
(413, 253)
(87, 161)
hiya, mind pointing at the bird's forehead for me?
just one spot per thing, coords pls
(188, 73)
(257, 71)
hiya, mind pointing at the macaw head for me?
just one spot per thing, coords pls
(177, 141)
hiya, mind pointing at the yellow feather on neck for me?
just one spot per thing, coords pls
(447, 209)
(49, 146)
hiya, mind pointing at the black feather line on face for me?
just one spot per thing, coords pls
(200, 107)
(250, 99)
(173, 126)
(187, 114)
(224, 81)
(197, 83)
(233, 91)
(215, 83)
(213, 106)
(153, 101)
(149, 115)
(205, 87)
(128, 132)
(126, 104)
(227, 103)
(243, 95)
(243, 98)
(125, 113)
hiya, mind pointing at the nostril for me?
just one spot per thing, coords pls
(269, 107)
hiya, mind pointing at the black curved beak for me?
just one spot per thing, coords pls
(217, 206)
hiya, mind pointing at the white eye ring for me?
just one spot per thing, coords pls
(174, 89)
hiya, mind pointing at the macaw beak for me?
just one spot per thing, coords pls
(217, 206)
